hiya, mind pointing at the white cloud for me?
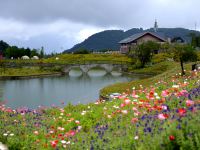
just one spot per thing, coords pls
(36, 23)
(55, 36)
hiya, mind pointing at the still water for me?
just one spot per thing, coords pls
(73, 88)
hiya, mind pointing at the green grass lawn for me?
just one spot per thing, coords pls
(25, 71)
(80, 59)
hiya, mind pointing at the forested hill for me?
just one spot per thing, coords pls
(109, 39)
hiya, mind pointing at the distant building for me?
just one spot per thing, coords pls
(35, 57)
(25, 57)
(178, 40)
(139, 38)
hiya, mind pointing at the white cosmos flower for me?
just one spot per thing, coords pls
(175, 86)
(136, 137)
(157, 97)
(155, 94)
(63, 142)
(68, 142)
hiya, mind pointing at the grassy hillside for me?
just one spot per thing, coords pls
(161, 70)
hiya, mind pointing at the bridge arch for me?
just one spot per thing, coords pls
(86, 67)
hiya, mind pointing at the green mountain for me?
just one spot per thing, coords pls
(109, 39)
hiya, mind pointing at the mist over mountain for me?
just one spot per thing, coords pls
(109, 39)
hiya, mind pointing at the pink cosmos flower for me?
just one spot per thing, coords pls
(183, 93)
(134, 120)
(165, 93)
(164, 107)
(72, 133)
(189, 103)
(127, 101)
(122, 105)
(134, 109)
(162, 116)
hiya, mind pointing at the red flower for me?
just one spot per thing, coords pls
(54, 143)
(182, 111)
(171, 138)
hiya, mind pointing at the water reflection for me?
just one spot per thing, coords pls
(74, 87)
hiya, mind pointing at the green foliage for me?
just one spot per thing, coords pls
(27, 71)
(198, 55)
(82, 51)
(34, 52)
(195, 40)
(16, 52)
(144, 52)
(2, 66)
(161, 57)
(3, 47)
(184, 53)
(89, 58)
(42, 52)
(56, 69)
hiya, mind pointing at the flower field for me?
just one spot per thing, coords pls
(165, 115)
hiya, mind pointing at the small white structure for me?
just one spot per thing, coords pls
(3, 147)
(114, 95)
(57, 58)
(35, 57)
(25, 57)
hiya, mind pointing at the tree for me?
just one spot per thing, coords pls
(195, 40)
(42, 52)
(12, 51)
(34, 53)
(28, 52)
(144, 52)
(184, 53)
(3, 47)
(82, 51)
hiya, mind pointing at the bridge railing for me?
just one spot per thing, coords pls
(14, 64)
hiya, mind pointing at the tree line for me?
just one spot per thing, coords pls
(15, 52)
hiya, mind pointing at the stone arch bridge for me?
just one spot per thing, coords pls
(86, 67)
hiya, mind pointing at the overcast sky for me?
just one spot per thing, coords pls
(59, 24)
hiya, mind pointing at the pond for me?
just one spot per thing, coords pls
(74, 88)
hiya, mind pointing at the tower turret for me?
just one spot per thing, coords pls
(155, 26)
